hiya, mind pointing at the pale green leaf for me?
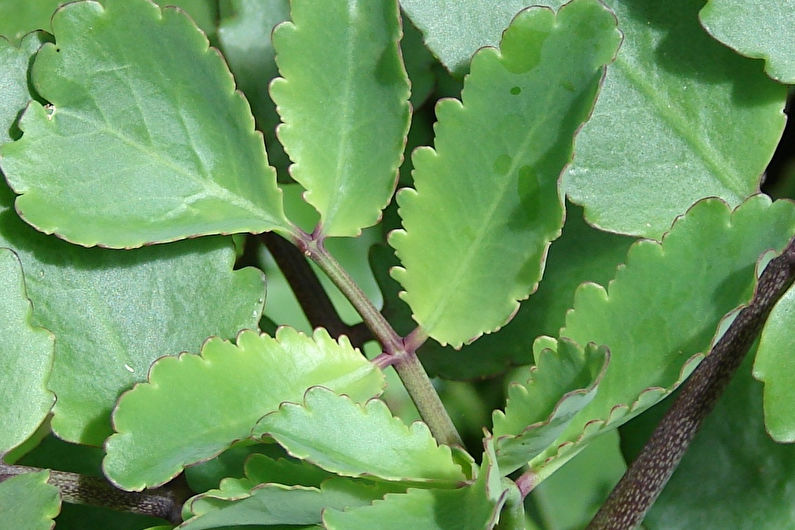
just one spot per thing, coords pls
(18, 18)
(660, 313)
(763, 31)
(115, 312)
(28, 502)
(660, 137)
(194, 406)
(15, 95)
(244, 36)
(775, 367)
(490, 186)
(455, 30)
(262, 469)
(26, 357)
(476, 505)
(342, 436)
(562, 382)
(138, 145)
(343, 99)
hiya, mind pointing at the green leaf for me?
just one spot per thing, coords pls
(194, 406)
(763, 33)
(14, 80)
(562, 382)
(490, 186)
(341, 436)
(271, 504)
(580, 254)
(245, 42)
(474, 506)
(733, 475)
(18, 18)
(138, 146)
(343, 99)
(660, 313)
(650, 149)
(114, 312)
(26, 357)
(27, 501)
(775, 367)
(454, 30)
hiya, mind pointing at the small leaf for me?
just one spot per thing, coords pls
(767, 33)
(14, 79)
(343, 98)
(490, 186)
(343, 437)
(660, 313)
(194, 406)
(28, 501)
(650, 149)
(775, 367)
(26, 357)
(115, 312)
(454, 31)
(475, 506)
(562, 382)
(138, 146)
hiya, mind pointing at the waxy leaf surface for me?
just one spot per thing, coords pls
(489, 187)
(26, 357)
(562, 382)
(146, 139)
(14, 95)
(27, 501)
(744, 479)
(114, 312)
(194, 406)
(660, 137)
(661, 311)
(455, 30)
(775, 366)
(762, 31)
(476, 505)
(339, 435)
(343, 99)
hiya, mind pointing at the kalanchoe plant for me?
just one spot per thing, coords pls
(159, 159)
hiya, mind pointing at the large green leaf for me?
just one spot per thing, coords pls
(244, 36)
(146, 139)
(194, 406)
(562, 382)
(349, 439)
(115, 312)
(18, 18)
(26, 357)
(764, 31)
(15, 94)
(27, 501)
(455, 30)
(661, 311)
(733, 475)
(477, 505)
(343, 98)
(490, 186)
(660, 137)
(775, 366)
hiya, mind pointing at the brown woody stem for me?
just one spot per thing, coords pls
(644, 480)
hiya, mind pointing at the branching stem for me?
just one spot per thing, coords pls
(403, 357)
(165, 503)
(644, 480)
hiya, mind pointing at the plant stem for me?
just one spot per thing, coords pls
(644, 480)
(405, 361)
(309, 292)
(165, 502)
